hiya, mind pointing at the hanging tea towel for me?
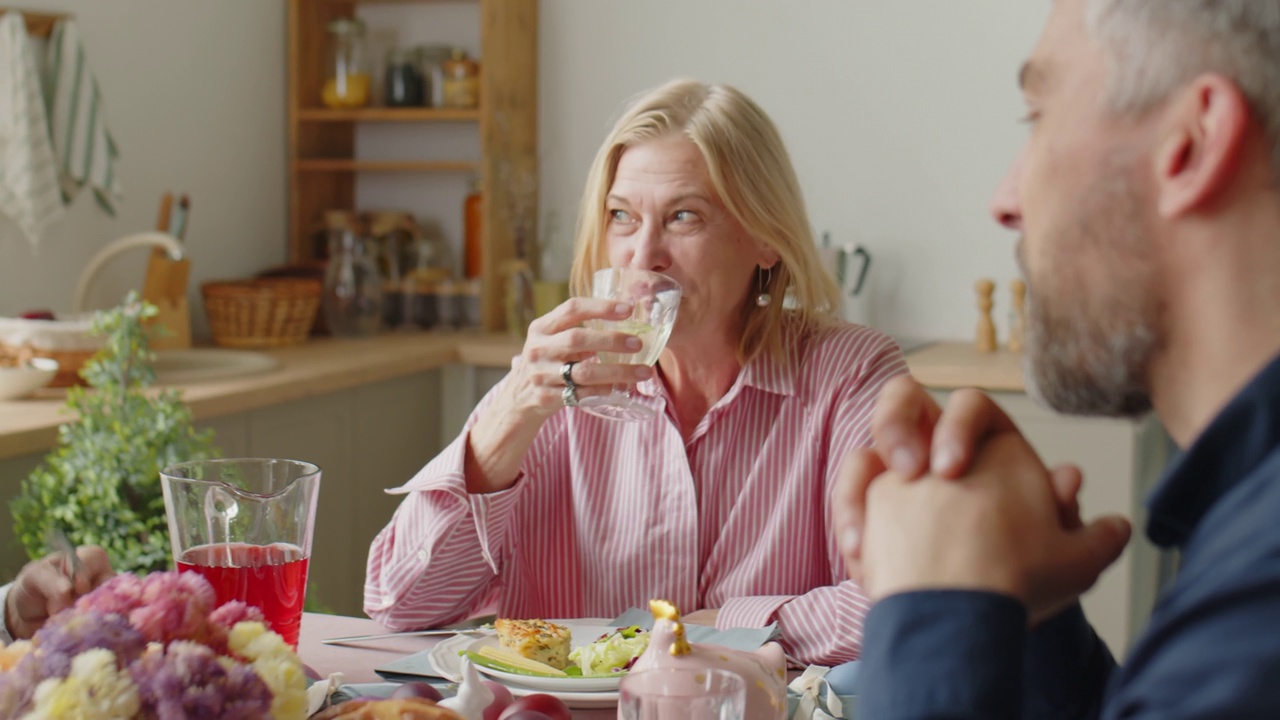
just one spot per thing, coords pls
(84, 148)
(29, 192)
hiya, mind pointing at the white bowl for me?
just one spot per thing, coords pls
(32, 375)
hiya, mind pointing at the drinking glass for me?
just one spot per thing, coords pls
(682, 694)
(246, 525)
(655, 299)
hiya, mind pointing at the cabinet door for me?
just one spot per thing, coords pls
(319, 430)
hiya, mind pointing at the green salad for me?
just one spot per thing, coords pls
(612, 652)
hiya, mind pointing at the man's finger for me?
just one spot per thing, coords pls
(902, 426)
(95, 568)
(1093, 548)
(1066, 481)
(970, 418)
(849, 504)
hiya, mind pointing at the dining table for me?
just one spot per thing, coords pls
(356, 661)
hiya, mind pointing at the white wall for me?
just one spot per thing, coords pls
(900, 119)
(195, 97)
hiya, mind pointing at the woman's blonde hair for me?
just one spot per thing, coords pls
(752, 174)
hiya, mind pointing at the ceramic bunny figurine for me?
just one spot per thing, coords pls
(765, 670)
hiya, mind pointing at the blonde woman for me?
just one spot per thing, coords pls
(719, 502)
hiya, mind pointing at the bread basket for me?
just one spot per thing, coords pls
(263, 312)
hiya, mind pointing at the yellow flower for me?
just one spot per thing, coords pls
(96, 689)
(11, 654)
(277, 665)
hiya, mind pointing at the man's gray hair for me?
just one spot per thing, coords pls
(1155, 46)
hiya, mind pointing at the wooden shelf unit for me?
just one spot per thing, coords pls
(323, 169)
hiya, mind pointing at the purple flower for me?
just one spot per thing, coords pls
(187, 681)
(70, 633)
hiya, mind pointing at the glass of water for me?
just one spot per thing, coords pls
(655, 299)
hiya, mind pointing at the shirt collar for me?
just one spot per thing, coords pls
(1243, 434)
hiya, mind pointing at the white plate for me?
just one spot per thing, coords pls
(444, 658)
(183, 367)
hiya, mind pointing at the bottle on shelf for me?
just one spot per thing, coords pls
(347, 83)
(472, 219)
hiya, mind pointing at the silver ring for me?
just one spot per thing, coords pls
(569, 395)
(566, 373)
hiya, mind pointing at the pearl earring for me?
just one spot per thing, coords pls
(762, 278)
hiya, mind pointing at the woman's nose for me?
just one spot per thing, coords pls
(650, 250)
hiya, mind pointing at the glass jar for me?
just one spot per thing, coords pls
(392, 232)
(347, 83)
(431, 59)
(428, 272)
(461, 81)
(403, 83)
(352, 300)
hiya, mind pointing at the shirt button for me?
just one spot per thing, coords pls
(422, 555)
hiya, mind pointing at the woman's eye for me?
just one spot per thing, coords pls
(685, 216)
(618, 215)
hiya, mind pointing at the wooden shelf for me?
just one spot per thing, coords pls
(386, 114)
(349, 165)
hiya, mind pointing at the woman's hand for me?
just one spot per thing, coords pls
(536, 387)
(535, 390)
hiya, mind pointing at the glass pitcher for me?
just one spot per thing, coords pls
(246, 525)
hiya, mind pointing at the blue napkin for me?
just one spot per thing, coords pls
(747, 639)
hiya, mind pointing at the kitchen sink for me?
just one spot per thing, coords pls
(185, 367)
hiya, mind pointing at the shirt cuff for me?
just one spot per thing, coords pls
(750, 612)
(5, 636)
(943, 653)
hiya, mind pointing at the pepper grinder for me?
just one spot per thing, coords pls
(1018, 291)
(986, 340)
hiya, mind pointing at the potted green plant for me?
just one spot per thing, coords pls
(101, 483)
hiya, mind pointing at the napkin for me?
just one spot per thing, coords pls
(747, 639)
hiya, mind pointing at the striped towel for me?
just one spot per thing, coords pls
(77, 122)
(29, 192)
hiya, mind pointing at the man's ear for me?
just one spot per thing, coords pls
(1200, 149)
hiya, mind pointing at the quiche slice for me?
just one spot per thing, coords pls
(535, 639)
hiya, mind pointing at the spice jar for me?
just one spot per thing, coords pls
(403, 83)
(461, 81)
(347, 82)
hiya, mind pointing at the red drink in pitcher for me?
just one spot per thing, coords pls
(272, 578)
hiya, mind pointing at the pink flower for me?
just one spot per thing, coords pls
(117, 596)
(175, 606)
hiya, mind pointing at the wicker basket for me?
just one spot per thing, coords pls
(265, 312)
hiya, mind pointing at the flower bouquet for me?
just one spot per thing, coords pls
(153, 647)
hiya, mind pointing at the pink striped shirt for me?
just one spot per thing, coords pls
(607, 515)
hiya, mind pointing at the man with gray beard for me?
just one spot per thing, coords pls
(1148, 200)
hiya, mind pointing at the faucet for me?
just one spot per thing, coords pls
(146, 239)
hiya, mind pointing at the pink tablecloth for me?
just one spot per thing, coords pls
(356, 662)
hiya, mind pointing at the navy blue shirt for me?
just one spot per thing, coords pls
(1211, 649)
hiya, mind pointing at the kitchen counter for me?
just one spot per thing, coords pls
(951, 365)
(317, 367)
(327, 365)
